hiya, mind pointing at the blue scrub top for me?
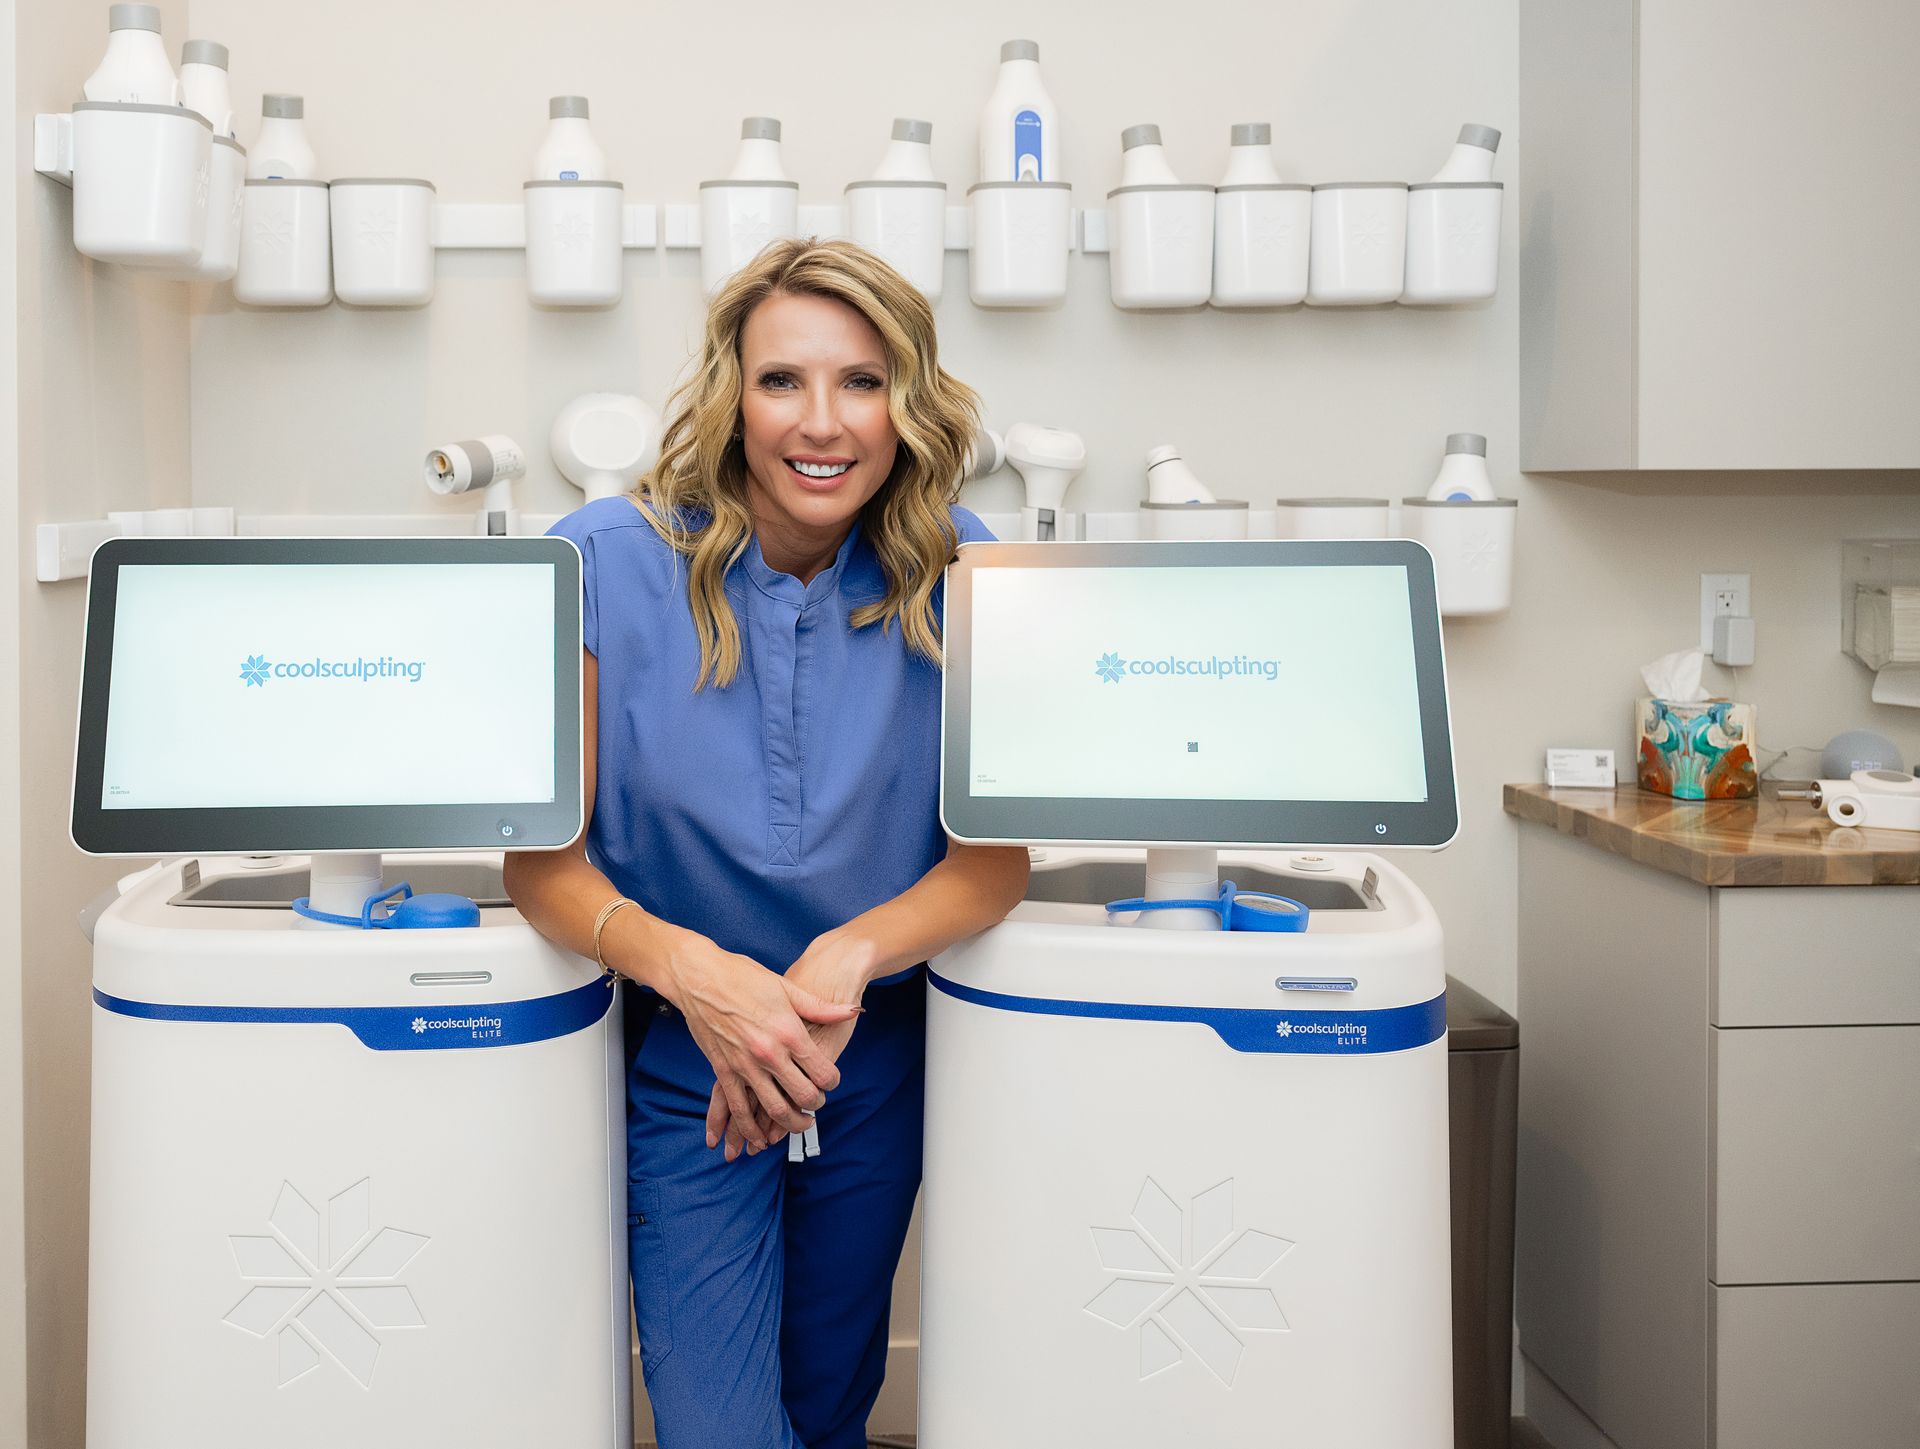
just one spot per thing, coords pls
(784, 805)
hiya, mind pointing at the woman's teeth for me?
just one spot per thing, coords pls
(820, 470)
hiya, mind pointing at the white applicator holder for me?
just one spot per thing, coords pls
(1022, 233)
(1260, 226)
(575, 232)
(1468, 530)
(900, 213)
(1359, 243)
(1453, 226)
(382, 241)
(142, 175)
(1160, 230)
(741, 213)
(286, 244)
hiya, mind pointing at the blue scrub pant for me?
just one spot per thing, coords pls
(762, 1287)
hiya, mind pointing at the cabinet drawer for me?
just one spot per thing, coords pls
(1816, 1155)
(1829, 1364)
(1817, 956)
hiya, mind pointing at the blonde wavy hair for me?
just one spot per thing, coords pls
(696, 495)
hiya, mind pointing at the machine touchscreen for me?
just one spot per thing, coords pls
(329, 694)
(1260, 694)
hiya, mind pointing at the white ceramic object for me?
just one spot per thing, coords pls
(1193, 522)
(141, 180)
(282, 151)
(1359, 243)
(203, 83)
(383, 241)
(220, 253)
(568, 152)
(1453, 241)
(1161, 241)
(738, 219)
(1019, 125)
(286, 245)
(135, 70)
(1260, 244)
(1308, 518)
(1463, 476)
(1022, 234)
(574, 242)
(905, 224)
(1472, 548)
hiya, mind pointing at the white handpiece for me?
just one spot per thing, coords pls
(1876, 799)
(1143, 161)
(569, 152)
(1463, 472)
(1250, 158)
(135, 70)
(1472, 155)
(203, 83)
(758, 158)
(909, 155)
(1047, 460)
(481, 465)
(604, 442)
(1019, 126)
(282, 149)
(1170, 480)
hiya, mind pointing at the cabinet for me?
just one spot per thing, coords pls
(1717, 204)
(1719, 1161)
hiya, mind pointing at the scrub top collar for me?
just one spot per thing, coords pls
(787, 589)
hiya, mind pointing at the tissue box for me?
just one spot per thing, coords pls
(1700, 751)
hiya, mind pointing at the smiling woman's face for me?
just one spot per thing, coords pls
(813, 419)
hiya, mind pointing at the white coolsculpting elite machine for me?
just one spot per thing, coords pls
(358, 1153)
(1189, 1186)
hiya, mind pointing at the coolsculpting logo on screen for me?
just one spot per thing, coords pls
(256, 669)
(1111, 667)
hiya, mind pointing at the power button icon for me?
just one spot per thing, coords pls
(506, 830)
(1381, 828)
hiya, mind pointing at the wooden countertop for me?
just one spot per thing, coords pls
(1763, 842)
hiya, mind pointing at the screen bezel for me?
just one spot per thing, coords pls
(278, 829)
(1238, 824)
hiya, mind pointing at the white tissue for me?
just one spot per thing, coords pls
(1897, 684)
(1675, 677)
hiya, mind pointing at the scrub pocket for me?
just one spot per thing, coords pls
(647, 1259)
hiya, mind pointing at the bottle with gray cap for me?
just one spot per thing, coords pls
(135, 69)
(758, 158)
(909, 155)
(203, 83)
(1472, 156)
(282, 151)
(1143, 160)
(569, 152)
(1019, 127)
(1463, 472)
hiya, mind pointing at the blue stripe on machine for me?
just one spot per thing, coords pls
(409, 1028)
(1248, 1029)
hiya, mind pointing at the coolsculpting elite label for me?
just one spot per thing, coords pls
(319, 684)
(1196, 684)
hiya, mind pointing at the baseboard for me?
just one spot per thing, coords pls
(895, 1413)
(1556, 1416)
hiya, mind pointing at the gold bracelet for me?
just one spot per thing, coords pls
(600, 924)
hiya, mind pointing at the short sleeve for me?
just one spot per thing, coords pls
(580, 531)
(970, 528)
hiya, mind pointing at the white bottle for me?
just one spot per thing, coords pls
(909, 155)
(1143, 161)
(1463, 472)
(1472, 155)
(1019, 128)
(282, 150)
(758, 158)
(569, 152)
(1250, 160)
(1170, 480)
(203, 83)
(134, 70)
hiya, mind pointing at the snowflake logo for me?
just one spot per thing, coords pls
(901, 233)
(1187, 1281)
(1284, 1028)
(1026, 233)
(751, 234)
(202, 184)
(1369, 236)
(1271, 236)
(1479, 552)
(377, 229)
(274, 232)
(1466, 233)
(325, 1291)
(1109, 667)
(1176, 236)
(254, 671)
(571, 232)
(419, 1025)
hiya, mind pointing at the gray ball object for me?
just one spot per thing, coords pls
(1852, 750)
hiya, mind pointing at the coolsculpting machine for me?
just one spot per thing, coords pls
(1189, 1186)
(358, 1155)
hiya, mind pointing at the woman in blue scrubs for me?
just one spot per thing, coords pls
(764, 859)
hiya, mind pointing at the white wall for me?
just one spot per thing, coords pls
(333, 409)
(101, 393)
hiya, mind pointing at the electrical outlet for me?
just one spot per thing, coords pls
(1722, 595)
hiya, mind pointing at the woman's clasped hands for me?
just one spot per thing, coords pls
(773, 1040)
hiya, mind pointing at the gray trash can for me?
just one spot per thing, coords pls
(1483, 1092)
